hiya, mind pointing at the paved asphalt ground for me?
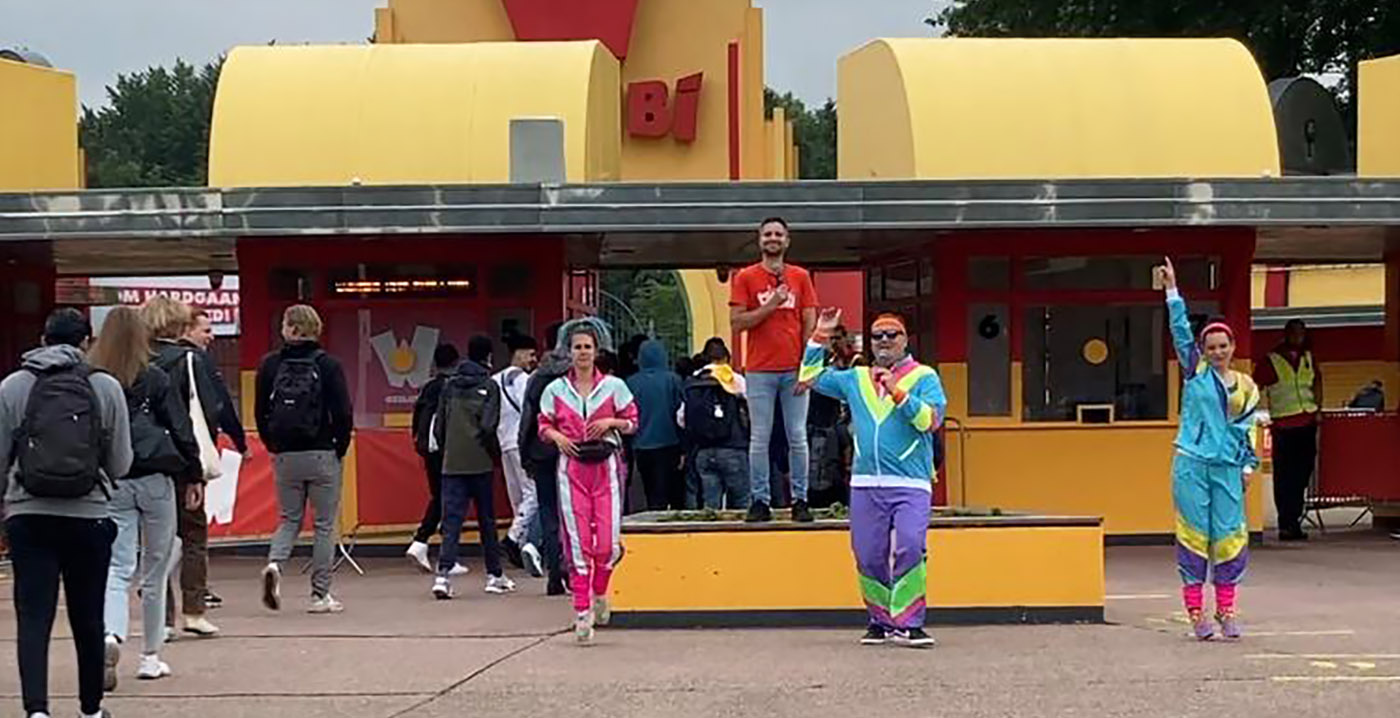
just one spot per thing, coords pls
(1323, 622)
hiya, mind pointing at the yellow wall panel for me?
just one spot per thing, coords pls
(1378, 118)
(406, 114)
(1054, 108)
(38, 128)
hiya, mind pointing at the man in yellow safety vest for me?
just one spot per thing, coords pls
(1292, 388)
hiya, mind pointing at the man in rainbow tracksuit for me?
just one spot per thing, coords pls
(896, 406)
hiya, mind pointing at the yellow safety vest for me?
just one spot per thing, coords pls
(1292, 394)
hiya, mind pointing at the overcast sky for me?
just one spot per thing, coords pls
(97, 39)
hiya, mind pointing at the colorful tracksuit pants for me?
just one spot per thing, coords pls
(590, 508)
(893, 578)
(1211, 533)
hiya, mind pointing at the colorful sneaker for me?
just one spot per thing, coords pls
(272, 587)
(875, 636)
(602, 611)
(111, 655)
(442, 588)
(534, 562)
(152, 668)
(1200, 626)
(583, 627)
(914, 638)
(325, 604)
(1229, 626)
(499, 584)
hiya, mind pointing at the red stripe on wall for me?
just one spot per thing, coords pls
(734, 110)
(1276, 287)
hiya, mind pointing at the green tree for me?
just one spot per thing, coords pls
(813, 131)
(1287, 37)
(646, 301)
(155, 130)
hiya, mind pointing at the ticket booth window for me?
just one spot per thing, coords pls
(904, 286)
(1094, 363)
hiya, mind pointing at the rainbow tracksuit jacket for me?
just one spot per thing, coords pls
(891, 482)
(1213, 448)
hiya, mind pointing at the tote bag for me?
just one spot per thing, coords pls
(208, 453)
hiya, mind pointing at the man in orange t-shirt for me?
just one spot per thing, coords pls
(776, 304)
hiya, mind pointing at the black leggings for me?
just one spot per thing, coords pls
(43, 550)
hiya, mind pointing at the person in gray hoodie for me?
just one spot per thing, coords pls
(54, 538)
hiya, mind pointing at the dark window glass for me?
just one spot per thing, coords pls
(1078, 355)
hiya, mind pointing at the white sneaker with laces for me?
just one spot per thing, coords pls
(111, 655)
(200, 626)
(459, 570)
(534, 563)
(418, 553)
(583, 627)
(325, 604)
(272, 587)
(152, 668)
(602, 611)
(442, 588)
(499, 584)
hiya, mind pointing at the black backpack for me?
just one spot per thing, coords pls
(59, 445)
(467, 442)
(152, 447)
(713, 416)
(298, 409)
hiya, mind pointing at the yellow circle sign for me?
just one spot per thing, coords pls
(1096, 351)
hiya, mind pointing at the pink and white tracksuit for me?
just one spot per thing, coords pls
(590, 494)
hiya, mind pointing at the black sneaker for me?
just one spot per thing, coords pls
(212, 600)
(1296, 534)
(875, 636)
(513, 555)
(914, 638)
(555, 587)
(759, 512)
(801, 512)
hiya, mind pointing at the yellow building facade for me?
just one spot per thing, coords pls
(39, 129)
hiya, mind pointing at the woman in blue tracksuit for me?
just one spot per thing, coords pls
(896, 406)
(1214, 454)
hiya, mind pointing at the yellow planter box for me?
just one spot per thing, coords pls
(982, 569)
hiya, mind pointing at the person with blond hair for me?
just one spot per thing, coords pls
(302, 408)
(168, 321)
(143, 503)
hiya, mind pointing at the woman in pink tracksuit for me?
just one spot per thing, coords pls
(584, 413)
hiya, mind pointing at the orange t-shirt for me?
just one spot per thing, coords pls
(776, 343)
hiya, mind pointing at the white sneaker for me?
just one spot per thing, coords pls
(418, 553)
(499, 584)
(325, 604)
(111, 655)
(152, 667)
(171, 635)
(583, 627)
(442, 588)
(534, 563)
(602, 611)
(459, 570)
(272, 587)
(200, 626)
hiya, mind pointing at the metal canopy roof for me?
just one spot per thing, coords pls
(1299, 219)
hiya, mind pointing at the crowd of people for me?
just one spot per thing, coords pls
(106, 446)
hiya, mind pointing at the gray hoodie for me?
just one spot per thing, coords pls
(116, 425)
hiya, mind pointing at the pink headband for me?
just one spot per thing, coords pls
(1217, 327)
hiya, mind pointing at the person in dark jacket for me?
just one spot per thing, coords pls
(143, 503)
(304, 417)
(541, 458)
(658, 442)
(465, 427)
(445, 359)
(199, 338)
(169, 320)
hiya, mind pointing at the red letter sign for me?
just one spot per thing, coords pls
(650, 112)
(687, 112)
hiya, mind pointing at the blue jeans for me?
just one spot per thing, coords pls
(724, 477)
(766, 388)
(143, 509)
